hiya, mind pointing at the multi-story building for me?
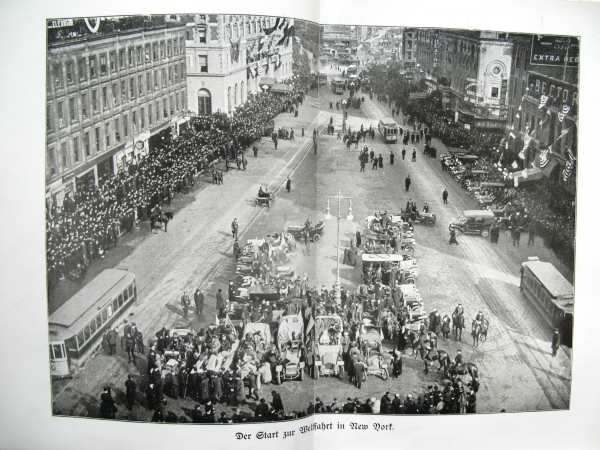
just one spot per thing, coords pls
(409, 48)
(472, 69)
(543, 102)
(229, 56)
(108, 93)
(336, 34)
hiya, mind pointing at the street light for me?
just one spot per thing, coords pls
(339, 198)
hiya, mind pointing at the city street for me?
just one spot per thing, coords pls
(517, 372)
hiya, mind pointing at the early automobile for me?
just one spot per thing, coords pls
(475, 221)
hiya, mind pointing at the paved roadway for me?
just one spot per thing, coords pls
(197, 251)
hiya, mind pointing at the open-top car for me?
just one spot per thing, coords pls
(290, 342)
(328, 350)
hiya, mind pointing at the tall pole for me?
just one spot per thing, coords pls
(339, 198)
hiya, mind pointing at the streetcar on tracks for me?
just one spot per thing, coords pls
(337, 85)
(388, 129)
(551, 294)
(322, 78)
(78, 326)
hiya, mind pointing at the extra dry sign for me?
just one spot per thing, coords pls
(555, 51)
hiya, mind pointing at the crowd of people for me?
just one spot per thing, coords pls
(91, 219)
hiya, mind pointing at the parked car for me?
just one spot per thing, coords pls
(474, 221)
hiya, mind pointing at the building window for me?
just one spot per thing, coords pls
(182, 71)
(201, 35)
(130, 56)
(139, 52)
(52, 161)
(204, 103)
(81, 69)
(93, 68)
(177, 101)
(494, 92)
(70, 74)
(126, 125)
(148, 81)
(162, 49)
(132, 88)
(72, 110)
(86, 143)
(176, 73)
(104, 97)
(76, 149)
(122, 58)
(155, 52)
(97, 136)
(181, 44)
(175, 47)
(103, 67)
(63, 150)
(115, 94)
(156, 80)
(242, 92)
(165, 109)
(157, 112)
(49, 124)
(84, 105)
(142, 118)
(113, 62)
(134, 122)
(117, 134)
(95, 100)
(170, 75)
(107, 134)
(124, 90)
(235, 95)
(147, 53)
(203, 63)
(164, 77)
(140, 85)
(61, 115)
(171, 104)
(150, 116)
(57, 74)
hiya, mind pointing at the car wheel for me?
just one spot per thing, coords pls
(384, 374)
(485, 232)
(316, 237)
(430, 222)
(342, 373)
(503, 226)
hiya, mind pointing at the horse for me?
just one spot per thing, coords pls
(441, 355)
(390, 327)
(458, 323)
(483, 330)
(412, 337)
(160, 218)
(475, 331)
(461, 369)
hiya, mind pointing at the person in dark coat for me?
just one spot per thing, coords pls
(221, 305)
(380, 161)
(375, 163)
(130, 390)
(414, 155)
(199, 301)
(407, 183)
(453, 237)
(112, 341)
(277, 404)
(107, 405)
(197, 414)
(288, 185)
(391, 158)
(445, 196)
(150, 396)
(403, 153)
(386, 404)
(204, 389)
(358, 238)
(216, 388)
(261, 412)
(532, 231)
(397, 364)
(359, 370)
(240, 390)
(555, 342)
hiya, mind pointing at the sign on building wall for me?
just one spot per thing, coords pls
(555, 51)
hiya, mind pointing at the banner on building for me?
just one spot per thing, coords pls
(564, 111)
(568, 170)
(555, 51)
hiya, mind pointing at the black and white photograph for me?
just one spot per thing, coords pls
(254, 222)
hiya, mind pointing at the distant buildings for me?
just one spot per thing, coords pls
(108, 93)
(229, 56)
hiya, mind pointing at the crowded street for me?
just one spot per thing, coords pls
(310, 252)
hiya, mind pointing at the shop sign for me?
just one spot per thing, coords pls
(60, 23)
(555, 51)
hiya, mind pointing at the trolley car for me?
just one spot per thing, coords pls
(551, 294)
(78, 325)
(337, 85)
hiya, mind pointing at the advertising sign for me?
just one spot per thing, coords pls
(555, 51)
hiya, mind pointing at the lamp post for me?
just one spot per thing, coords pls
(339, 199)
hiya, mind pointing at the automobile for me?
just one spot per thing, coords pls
(328, 351)
(290, 335)
(474, 221)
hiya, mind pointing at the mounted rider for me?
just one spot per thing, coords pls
(459, 311)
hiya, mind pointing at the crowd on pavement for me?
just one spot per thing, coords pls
(91, 219)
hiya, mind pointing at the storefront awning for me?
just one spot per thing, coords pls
(282, 88)
(523, 176)
(267, 81)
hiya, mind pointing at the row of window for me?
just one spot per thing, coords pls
(103, 64)
(99, 138)
(112, 95)
(90, 330)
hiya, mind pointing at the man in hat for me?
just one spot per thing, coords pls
(396, 405)
(234, 228)
(261, 412)
(197, 414)
(386, 403)
(199, 301)
(107, 405)
(288, 184)
(130, 390)
(458, 358)
(185, 303)
(555, 345)
(221, 305)
(277, 403)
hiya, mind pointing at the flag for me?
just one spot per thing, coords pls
(261, 43)
(268, 31)
(543, 100)
(288, 32)
(568, 170)
(544, 158)
(311, 323)
(565, 110)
